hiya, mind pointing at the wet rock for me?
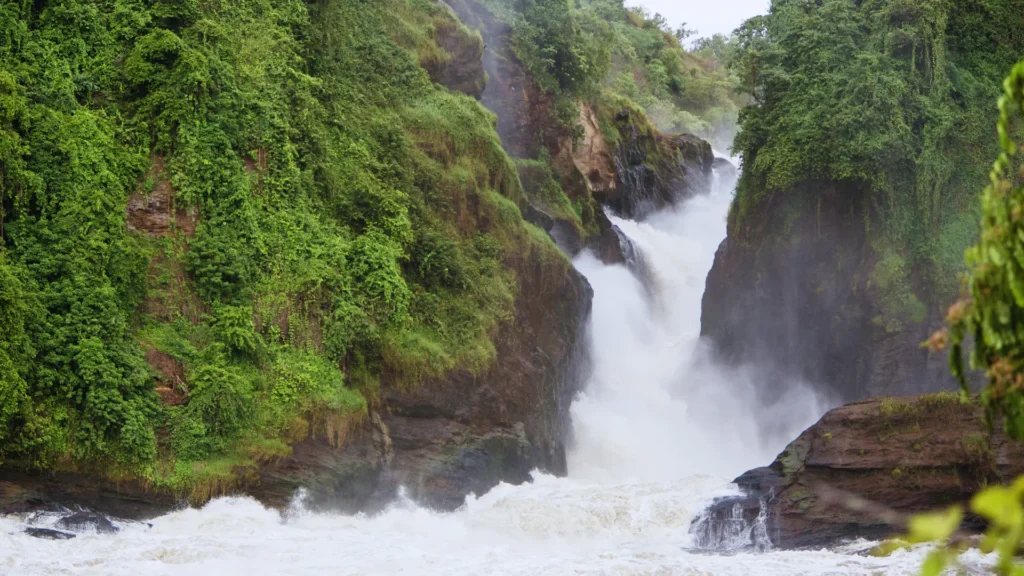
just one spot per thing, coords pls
(794, 290)
(654, 170)
(24, 491)
(908, 454)
(724, 168)
(462, 434)
(85, 521)
(524, 121)
(563, 231)
(48, 534)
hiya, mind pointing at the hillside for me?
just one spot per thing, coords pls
(269, 244)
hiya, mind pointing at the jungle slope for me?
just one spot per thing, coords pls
(871, 132)
(269, 245)
(233, 235)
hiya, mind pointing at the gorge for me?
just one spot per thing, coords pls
(631, 491)
(461, 286)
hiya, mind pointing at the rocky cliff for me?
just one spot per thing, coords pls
(905, 455)
(612, 157)
(444, 439)
(852, 214)
(463, 434)
(798, 285)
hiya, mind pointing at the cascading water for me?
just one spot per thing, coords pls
(658, 433)
(658, 407)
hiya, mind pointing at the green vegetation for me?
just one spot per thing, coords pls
(925, 404)
(992, 315)
(539, 177)
(1001, 508)
(977, 448)
(892, 101)
(335, 220)
(994, 312)
(601, 52)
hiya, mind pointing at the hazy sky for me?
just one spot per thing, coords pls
(706, 16)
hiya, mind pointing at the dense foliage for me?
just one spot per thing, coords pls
(889, 97)
(992, 316)
(319, 236)
(993, 313)
(600, 51)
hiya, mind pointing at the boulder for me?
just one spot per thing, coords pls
(48, 534)
(725, 169)
(901, 455)
(85, 521)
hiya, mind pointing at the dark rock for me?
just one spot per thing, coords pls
(724, 168)
(462, 434)
(48, 534)
(610, 245)
(524, 113)
(908, 454)
(29, 492)
(565, 231)
(654, 170)
(794, 290)
(84, 521)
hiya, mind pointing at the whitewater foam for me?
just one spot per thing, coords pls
(552, 526)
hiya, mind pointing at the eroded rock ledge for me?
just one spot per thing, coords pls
(909, 454)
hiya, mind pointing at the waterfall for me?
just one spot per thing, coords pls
(659, 431)
(658, 406)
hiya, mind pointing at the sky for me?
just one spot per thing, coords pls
(706, 16)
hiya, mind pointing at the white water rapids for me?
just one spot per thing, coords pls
(658, 434)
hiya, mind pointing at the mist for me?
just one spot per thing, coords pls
(659, 406)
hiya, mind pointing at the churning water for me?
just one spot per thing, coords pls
(658, 434)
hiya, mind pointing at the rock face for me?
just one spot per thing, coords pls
(908, 454)
(797, 284)
(654, 170)
(462, 434)
(640, 173)
(523, 111)
(23, 492)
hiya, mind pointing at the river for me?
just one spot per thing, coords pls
(658, 434)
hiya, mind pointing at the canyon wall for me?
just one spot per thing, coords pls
(798, 288)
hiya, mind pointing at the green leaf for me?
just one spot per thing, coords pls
(999, 506)
(935, 526)
(936, 561)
